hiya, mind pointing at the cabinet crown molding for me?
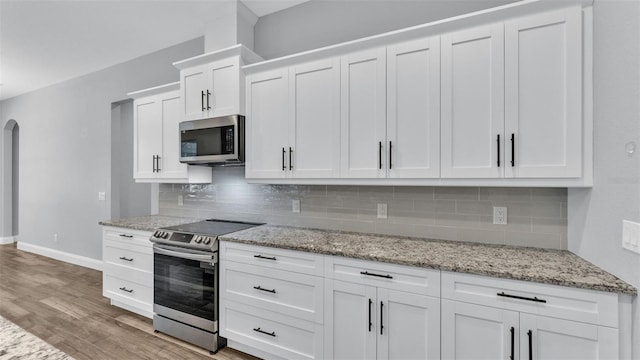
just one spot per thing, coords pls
(248, 57)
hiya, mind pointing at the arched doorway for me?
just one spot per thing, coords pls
(10, 183)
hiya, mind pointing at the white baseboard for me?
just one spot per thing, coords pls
(7, 240)
(61, 255)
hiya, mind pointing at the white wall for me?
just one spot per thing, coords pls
(65, 154)
(595, 215)
(315, 24)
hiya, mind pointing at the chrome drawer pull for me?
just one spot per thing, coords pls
(264, 257)
(126, 290)
(521, 297)
(125, 235)
(273, 291)
(125, 259)
(376, 275)
(264, 332)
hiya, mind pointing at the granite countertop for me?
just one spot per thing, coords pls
(148, 223)
(554, 267)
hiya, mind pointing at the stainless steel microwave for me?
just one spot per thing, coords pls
(214, 141)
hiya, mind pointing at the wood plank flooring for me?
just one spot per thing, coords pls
(63, 304)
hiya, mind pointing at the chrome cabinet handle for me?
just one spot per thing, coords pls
(125, 259)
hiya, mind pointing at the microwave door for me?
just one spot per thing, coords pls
(211, 141)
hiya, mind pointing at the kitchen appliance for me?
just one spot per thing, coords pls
(185, 295)
(215, 141)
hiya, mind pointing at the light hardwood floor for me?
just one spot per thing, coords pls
(63, 304)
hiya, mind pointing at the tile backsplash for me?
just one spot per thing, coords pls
(537, 217)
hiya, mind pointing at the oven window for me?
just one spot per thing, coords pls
(206, 142)
(185, 285)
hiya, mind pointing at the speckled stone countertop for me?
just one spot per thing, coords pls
(148, 223)
(520, 263)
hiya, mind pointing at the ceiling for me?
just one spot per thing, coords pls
(43, 42)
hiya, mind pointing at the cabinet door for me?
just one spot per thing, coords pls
(408, 326)
(147, 137)
(193, 87)
(549, 338)
(363, 112)
(224, 86)
(473, 103)
(169, 164)
(413, 109)
(478, 332)
(543, 62)
(267, 125)
(315, 121)
(350, 321)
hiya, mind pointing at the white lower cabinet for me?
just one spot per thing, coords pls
(513, 327)
(127, 276)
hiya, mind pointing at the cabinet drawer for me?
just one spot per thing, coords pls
(136, 237)
(119, 289)
(274, 333)
(144, 278)
(133, 256)
(296, 261)
(297, 295)
(582, 305)
(391, 276)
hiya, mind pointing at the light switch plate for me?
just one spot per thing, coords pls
(180, 200)
(102, 196)
(295, 205)
(499, 215)
(631, 236)
(382, 211)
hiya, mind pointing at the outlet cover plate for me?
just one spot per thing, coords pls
(499, 215)
(631, 236)
(295, 205)
(382, 211)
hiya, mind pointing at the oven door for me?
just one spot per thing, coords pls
(186, 286)
(215, 140)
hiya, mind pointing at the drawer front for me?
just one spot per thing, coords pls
(128, 235)
(296, 261)
(390, 276)
(582, 305)
(294, 294)
(144, 278)
(119, 289)
(273, 333)
(133, 256)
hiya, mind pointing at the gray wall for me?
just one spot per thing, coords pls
(128, 198)
(595, 215)
(65, 155)
(537, 217)
(316, 23)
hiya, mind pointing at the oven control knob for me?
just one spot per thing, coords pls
(198, 239)
(158, 234)
(165, 235)
(207, 240)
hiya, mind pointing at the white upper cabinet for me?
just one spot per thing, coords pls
(314, 130)
(473, 103)
(156, 143)
(543, 89)
(363, 114)
(212, 84)
(413, 109)
(267, 129)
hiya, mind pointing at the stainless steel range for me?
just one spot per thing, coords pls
(185, 296)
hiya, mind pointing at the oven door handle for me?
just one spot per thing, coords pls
(183, 255)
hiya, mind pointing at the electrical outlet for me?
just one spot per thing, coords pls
(631, 236)
(55, 238)
(295, 205)
(180, 200)
(382, 211)
(499, 215)
(102, 196)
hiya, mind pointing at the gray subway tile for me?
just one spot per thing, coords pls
(505, 194)
(414, 192)
(549, 194)
(481, 236)
(456, 193)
